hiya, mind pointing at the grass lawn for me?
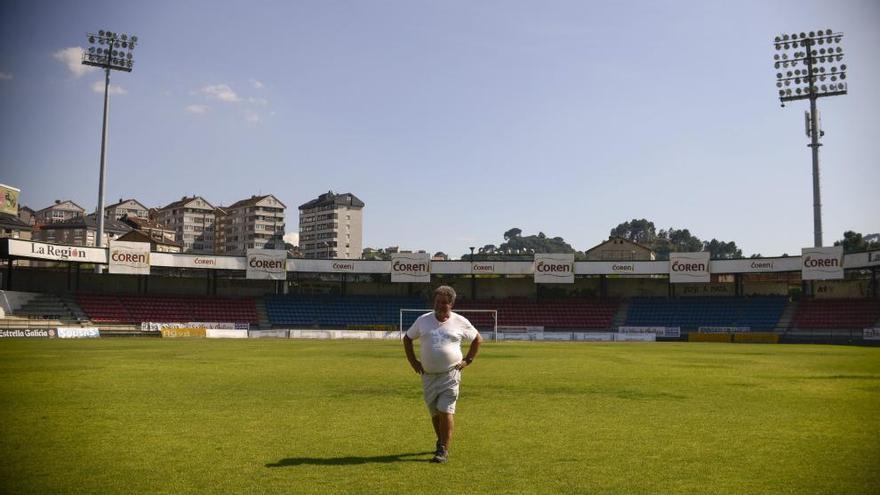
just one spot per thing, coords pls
(287, 416)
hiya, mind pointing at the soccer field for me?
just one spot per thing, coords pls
(288, 416)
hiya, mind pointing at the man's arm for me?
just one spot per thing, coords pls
(411, 356)
(472, 352)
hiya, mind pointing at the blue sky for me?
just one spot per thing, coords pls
(455, 120)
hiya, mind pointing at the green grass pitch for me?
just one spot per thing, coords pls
(285, 416)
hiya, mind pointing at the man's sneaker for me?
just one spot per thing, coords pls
(441, 456)
(438, 447)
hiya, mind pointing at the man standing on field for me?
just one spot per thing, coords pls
(442, 333)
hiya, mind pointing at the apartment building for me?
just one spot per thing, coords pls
(331, 226)
(126, 208)
(253, 223)
(193, 220)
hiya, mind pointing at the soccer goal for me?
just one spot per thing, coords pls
(484, 320)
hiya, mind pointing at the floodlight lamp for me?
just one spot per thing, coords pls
(134, 38)
(803, 35)
(777, 39)
(781, 93)
(124, 37)
(843, 67)
(91, 39)
(101, 33)
(842, 76)
(828, 32)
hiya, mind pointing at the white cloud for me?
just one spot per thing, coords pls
(221, 92)
(4, 76)
(72, 58)
(197, 109)
(257, 84)
(98, 87)
(258, 101)
(292, 237)
(251, 117)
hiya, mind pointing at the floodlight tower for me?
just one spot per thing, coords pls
(109, 51)
(807, 70)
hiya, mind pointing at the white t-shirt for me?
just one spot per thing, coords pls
(440, 348)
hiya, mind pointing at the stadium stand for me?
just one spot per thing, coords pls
(338, 311)
(837, 313)
(103, 308)
(550, 313)
(757, 313)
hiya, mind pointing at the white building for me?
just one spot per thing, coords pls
(192, 219)
(331, 226)
(253, 223)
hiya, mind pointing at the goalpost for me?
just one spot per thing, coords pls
(478, 320)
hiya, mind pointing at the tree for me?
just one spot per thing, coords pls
(636, 230)
(722, 250)
(853, 242)
(517, 244)
(510, 234)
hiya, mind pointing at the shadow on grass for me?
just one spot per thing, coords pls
(348, 461)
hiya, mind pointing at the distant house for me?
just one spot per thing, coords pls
(79, 231)
(156, 246)
(61, 211)
(620, 249)
(27, 215)
(13, 227)
(128, 207)
(153, 230)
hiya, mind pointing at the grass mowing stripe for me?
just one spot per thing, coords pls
(233, 416)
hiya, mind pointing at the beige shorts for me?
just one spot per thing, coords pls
(441, 391)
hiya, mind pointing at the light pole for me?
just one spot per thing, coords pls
(108, 51)
(806, 71)
(473, 277)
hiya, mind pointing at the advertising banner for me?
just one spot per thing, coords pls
(554, 268)
(871, 333)
(667, 332)
(862, 260)
(635, 337)
(9, 199)
(689, 267)
(55, 252)
(758, 265)
(621, 268)
(199, 261)
(411, 267)
(268, 334)
(723, 329)
(132, 258)
(28, 333)
(78, 333)
(222, 333)
(183, 332)
(824, 263)
(266, 264)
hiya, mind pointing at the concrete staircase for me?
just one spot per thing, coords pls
(262, 314)
(787, 315)
(53, 307)
(620, 316)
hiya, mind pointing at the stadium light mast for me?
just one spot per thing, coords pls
(109, 51)
(807, 70)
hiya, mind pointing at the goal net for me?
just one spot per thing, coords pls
(484, 320)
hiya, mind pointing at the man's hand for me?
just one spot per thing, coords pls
(461, 365)
(417, 367)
